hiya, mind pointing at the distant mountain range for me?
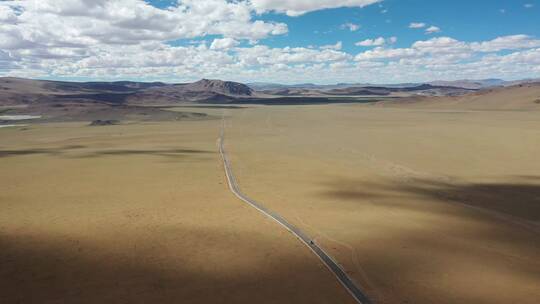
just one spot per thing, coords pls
(55, 101)
(27, 91)
(464, 84)
(14, 91)
(359, 91)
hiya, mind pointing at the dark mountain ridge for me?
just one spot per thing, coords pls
(26, 91)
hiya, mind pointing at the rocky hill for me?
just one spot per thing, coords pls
(15, 91)
(204, 90)
(220, 87)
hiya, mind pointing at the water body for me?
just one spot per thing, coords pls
(12, 126)
(19, 117)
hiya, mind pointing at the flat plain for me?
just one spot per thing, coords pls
(417, 205)
(139, 213)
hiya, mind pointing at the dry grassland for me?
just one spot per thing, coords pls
(139, 213)
(420, 206)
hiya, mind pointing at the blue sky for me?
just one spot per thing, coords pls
(270, 40)
(464, 20)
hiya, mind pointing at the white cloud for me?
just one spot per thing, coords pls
(7, 15)
(46, 23)
(452, 48)
(513, 42)
(429, 30)
(351, 26)
(417, 25)
(338, 46)
(432, 29)
(382, 53)
(449, 49)
(528, 5)
(129, 39)
(421, 61)
(300, 7)
(264, 55)
(377, 41)
(371, 42)
(223, 44)
(447, 58)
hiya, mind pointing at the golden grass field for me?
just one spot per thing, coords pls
(418, 205)
(139, 213)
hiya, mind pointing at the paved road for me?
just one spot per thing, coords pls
(318, 251)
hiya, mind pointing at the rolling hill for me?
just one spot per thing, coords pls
(517, 97)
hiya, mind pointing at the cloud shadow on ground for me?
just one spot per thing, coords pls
(519, 198)
(62, 152)
(59, 269)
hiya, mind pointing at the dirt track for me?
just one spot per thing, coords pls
(327, 260)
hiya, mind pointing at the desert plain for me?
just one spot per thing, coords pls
(418, 204)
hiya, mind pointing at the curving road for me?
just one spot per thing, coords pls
(349, 285)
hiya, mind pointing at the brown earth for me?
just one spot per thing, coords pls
(420, 206)
(139, 213)
(518, 97)
(435, 202)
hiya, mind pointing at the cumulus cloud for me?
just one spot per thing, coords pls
(261, 55)
(300, 7)
(371, 42)
(513, 42)
(382, 53)
(429, 30)
(434, 58)
(416, 25)
(6, 61)
(223, 44)
(449, 50)
(338, 46)
(377, 41)
(351, 26)
(49, 23)
(130, 39)
(432, 29)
